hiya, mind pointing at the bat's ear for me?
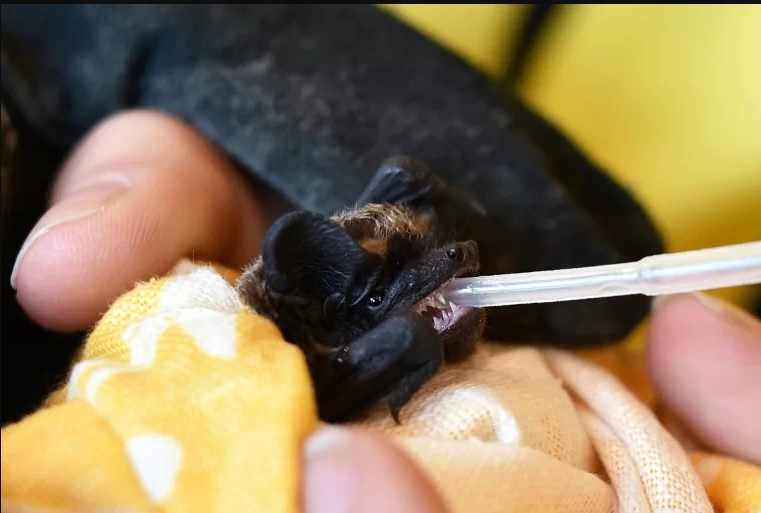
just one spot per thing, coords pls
(402, 181)
(406, 181)
(308, 255)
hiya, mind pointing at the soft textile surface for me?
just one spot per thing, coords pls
(184, 400)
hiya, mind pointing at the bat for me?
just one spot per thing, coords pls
(358, 291)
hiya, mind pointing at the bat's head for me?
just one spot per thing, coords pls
(328, 281)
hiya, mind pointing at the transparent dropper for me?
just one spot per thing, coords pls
(670, 273)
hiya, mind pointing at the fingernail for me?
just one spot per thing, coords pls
(331, 472)
(706, 301)
(657, 302)
(83, 203)
(729, 313)
(710, 303)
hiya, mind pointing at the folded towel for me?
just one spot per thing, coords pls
(184, 400)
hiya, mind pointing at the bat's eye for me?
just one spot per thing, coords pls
(375, 299)
(456, 254)
(343, 356)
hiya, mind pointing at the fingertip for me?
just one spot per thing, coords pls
(74, 266)
(349, 470)
(703, 358)
(71, 273)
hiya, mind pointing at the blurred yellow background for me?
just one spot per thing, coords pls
(667, 97)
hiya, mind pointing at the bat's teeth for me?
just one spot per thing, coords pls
(441, 299)
(453, 307)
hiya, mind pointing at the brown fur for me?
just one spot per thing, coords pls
(373, 225)
(253, 290)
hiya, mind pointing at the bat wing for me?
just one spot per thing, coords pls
(390, 362)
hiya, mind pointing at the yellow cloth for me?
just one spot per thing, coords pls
(185, 401)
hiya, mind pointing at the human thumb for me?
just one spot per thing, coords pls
(349, 471)
(139, 193)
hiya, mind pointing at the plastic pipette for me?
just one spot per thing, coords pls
(669, 273)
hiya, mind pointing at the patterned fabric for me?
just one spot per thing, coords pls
(184, 400)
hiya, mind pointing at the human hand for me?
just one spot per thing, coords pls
(704, 358)
(361, 472)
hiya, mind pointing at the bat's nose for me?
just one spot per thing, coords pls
(464, 252)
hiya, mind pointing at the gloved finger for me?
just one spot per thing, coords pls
(140, 192)
(704, 358)
(358, 472)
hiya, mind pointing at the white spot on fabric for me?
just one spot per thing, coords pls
(506, 429)
(76, 373)
(213, 332)
(203, 288)
(184, 267)
(143, 337)
(98, 377)
(156, 459)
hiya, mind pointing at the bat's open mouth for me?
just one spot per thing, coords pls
(444, 314)
(458, 326)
